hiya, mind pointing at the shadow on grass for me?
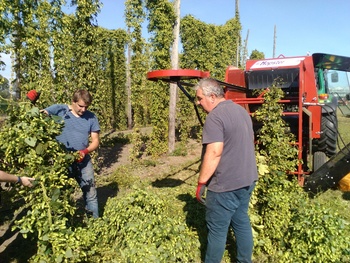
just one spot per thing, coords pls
(195, 219)
(346, 196)
(109, 155)
(13, 246)
(166, 181)
(103, 193)
(20, 250)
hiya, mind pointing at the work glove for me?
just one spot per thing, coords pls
(201, 187)
(82, 154)
(33, 95)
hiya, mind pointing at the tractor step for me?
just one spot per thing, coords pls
(330, 173)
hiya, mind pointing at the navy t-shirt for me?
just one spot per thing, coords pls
(76, 130)
(231, 124)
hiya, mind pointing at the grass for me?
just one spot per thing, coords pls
(343, 126)
(337, 200)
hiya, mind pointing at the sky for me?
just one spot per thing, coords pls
(302, 26)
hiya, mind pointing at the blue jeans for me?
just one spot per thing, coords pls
(84, 174)
(222, 211)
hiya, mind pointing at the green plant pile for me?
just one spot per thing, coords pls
(138, 227)
(288, 225)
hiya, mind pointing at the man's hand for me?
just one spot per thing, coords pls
(200, 192)
(26, 181)
(82, 154)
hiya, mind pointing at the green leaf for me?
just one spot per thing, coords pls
(56, 194)
(30, 141)
(69, 253)
(40, 148)
(35, 111)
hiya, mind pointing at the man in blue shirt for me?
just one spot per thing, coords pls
(81, 134)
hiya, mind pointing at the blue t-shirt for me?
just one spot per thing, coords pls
(231, 124)
(76, 130)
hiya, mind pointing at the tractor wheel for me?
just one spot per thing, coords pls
(329, 135)
(319, 159)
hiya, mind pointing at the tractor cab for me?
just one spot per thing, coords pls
(332, 76)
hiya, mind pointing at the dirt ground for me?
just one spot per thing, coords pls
(109, 158)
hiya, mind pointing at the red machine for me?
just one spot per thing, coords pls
(310, 85)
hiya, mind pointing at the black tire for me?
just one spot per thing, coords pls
(329, 135)
(319, 159)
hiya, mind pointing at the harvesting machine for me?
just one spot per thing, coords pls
(313, 88)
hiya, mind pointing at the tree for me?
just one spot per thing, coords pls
(4, 87)
(137, 65)
(161, 20)
(4, 83)
(173, 87)
(257, 55)
(206, 47)
(128, 85)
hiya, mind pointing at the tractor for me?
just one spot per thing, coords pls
(313, 88)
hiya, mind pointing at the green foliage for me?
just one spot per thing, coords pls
(316, 234)
(137, 228)
(180, 150)
(188, 125)
(84, 44)
(110, 97)
(57, 53)
(124, 177)
(138, 145)
(288, 226)
(139, 63)
(29, 148)
(256, 54)
(206, 47)
(274, 134)
(209, 47)
(161, 20)
(31, 48)
(66, 52)
(4, 84)
(275, 197)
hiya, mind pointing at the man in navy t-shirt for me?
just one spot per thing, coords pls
(80, 125)
(228, 170)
